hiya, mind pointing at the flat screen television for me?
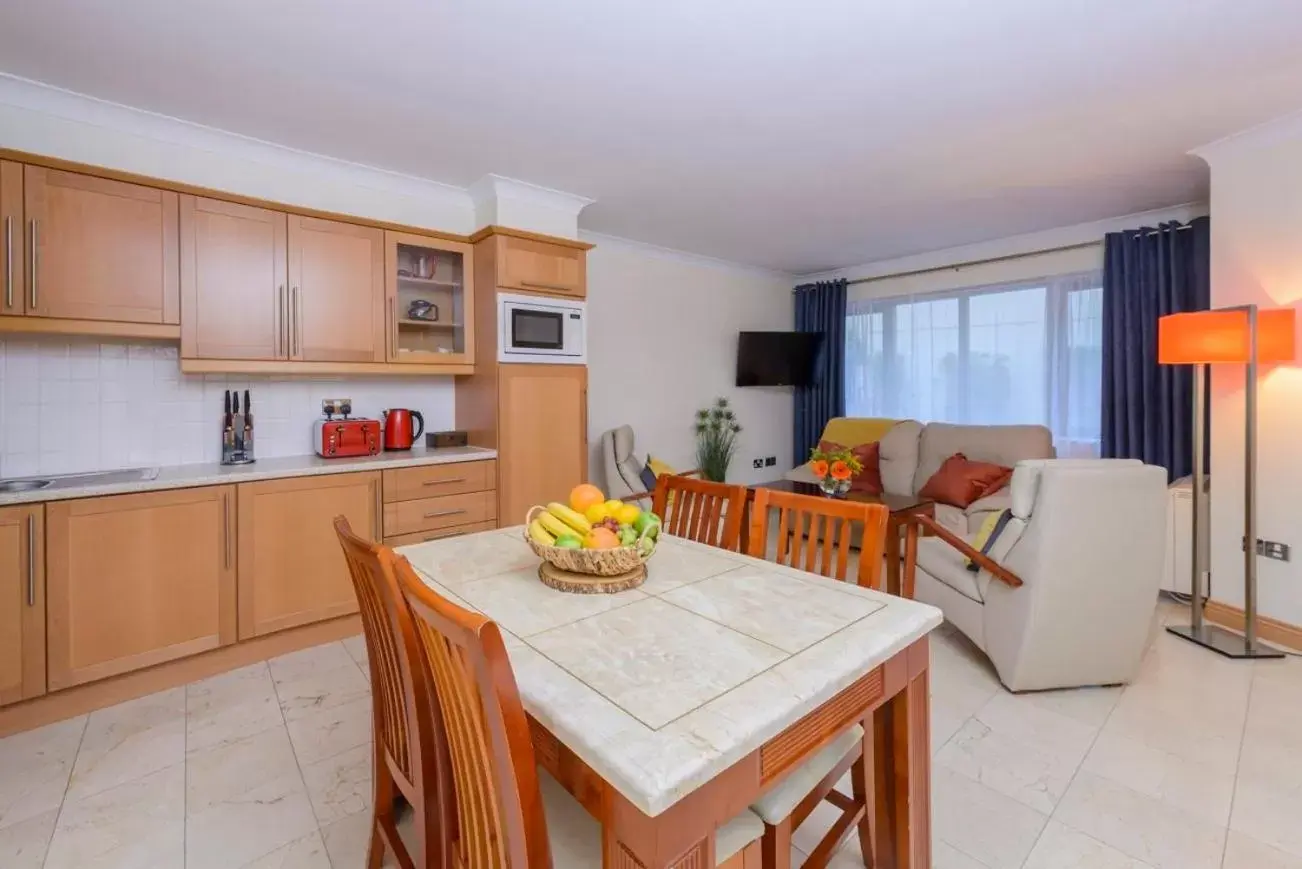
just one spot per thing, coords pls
(777, 358)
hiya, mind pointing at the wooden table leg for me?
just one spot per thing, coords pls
(910, 559)
(897, 831)
(892, 556)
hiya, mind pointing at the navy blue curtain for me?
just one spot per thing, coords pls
(820, 307)
(1148, 273)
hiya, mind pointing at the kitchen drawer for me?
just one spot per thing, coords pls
(427, 481)
(422, 536)
(430, 514)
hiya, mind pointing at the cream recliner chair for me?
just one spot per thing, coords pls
(1087, 540)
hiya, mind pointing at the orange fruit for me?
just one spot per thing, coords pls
(584, 496)
(601, 538)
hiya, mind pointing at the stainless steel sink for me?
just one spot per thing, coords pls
(22, 485)
(65, 481)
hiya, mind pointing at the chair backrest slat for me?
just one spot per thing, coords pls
(700, 510)
(831, 523)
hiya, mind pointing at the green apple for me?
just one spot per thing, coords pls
(647, 520)
(569, 541)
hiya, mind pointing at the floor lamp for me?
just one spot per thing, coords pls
(1244, 336)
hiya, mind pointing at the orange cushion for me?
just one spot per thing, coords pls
(869, 455)
(961, 481)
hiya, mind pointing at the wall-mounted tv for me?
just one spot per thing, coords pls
(777, 358)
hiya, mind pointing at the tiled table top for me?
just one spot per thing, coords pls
(662, 688)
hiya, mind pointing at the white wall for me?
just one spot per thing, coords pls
(81, 405)
(662, 336)
(1257, 258)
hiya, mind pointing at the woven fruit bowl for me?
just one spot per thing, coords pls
(614, 561)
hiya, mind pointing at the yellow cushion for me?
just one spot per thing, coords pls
(658, 467)
(851, 431)
(983, 533)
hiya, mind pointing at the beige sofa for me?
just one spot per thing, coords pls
(911, 452)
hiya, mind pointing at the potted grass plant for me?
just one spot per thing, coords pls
(716, 440)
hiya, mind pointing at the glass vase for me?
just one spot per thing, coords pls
(833, 488)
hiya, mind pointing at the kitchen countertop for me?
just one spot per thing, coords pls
(213, 474)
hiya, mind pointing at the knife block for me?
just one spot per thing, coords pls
(237, 443)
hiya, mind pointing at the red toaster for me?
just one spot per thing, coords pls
(340, 438)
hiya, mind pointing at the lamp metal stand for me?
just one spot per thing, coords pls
(1213, 637)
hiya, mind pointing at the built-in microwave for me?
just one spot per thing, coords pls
(541, 329)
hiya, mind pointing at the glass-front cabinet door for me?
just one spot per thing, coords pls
(428, 293)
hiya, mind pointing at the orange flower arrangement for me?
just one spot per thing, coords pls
(819, 467)
(840, 470)
(834, 468)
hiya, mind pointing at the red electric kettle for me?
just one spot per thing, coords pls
(398, 434)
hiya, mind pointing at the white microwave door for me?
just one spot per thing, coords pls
(536, 330)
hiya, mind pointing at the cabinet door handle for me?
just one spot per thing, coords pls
(33, 224)
(31, 560)
(444, 482)
(393, 329)
(226, 532)
(9, 262)
(296, 324)
(439, 513)
(281, 313)
(379, 512)
(539, 285)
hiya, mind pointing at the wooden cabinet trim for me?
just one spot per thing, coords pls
(494, 229)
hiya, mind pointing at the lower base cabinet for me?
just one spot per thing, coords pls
(291, 569)
(22, 603)
(136, 580)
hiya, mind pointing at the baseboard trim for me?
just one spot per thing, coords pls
(81, 699)
(1271, 630)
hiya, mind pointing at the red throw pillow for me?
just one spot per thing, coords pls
(961, 481)
(869, 455)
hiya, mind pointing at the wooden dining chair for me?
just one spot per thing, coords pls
(700, 510)
(406, 742)
(814, 535)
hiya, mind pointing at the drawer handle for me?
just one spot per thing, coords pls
(31, 560)
(444, 482)
(437, 513)
(539, 285)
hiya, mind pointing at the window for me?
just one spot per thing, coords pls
(1029, 352)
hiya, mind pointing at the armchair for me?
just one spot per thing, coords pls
(1065, 595)
(623, 468)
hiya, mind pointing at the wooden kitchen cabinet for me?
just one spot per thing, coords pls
(13, 269)
(99, 249)
(541, 267)
(22, 603)
(542, 448)
(336, 291)
(234, 298)
(429, 305)
(291, 568)
(136, 580)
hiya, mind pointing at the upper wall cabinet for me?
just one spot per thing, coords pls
(336, 291)
(540, 267)
(87, 249)
(430, 314)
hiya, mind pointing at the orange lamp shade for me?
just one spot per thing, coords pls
(1222, 336)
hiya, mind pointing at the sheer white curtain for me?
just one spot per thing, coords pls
(1025, 352)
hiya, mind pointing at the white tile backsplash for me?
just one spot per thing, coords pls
(74, 405)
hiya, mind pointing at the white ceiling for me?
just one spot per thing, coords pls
(796, 136)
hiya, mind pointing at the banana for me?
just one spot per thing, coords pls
(577, 521)
(538, 532)
(550, 524)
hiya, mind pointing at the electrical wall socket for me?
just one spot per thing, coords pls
(757, 463)
(1273, 549)
(770, 461)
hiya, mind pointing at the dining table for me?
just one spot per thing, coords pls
(667, 709)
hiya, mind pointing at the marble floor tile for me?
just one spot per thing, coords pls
(247, 825)
(309, 662)
(946, 856)
(347, 840)
(1061, 847)
(1020, 750)
(308, 852)
(323, 690)
(224, 773)
(328, 732)
(1091, 706)
(1269, 810)
(524, 606)
(23, 845)
(230, 707)
(1200, 789)
(128, 741)
(982, 823)
(356, 648)
(1245, 852)
(341, 785)
(631, 676)
(34, 769)
(774, 608)
(136, 825)
(1140, 826)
